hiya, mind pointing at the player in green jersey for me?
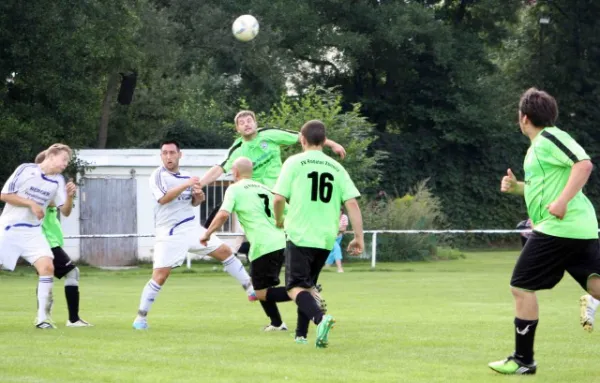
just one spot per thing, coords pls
(252, 202)
(565, 227)
(262, 147)
(63, 266)
(315, 185)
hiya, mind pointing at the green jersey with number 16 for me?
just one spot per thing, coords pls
(315, 186)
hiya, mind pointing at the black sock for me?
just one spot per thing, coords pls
(302, 324)
(524, 337)
(277, 294)
(72, 295)
(272, 312)
(309, 306)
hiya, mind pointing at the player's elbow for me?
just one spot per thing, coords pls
(3, 197)
(351, 204)
(279, 199)
(585, 166)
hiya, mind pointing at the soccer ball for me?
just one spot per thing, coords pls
(245, 28)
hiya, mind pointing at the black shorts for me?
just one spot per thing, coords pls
(62, 262)
(303, 265)
(545, 258)
(265, 270)
(245, 248)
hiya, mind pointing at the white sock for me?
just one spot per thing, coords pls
(149, 294)
(44, 296)
(235, 268)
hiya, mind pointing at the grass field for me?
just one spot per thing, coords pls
(415, 322)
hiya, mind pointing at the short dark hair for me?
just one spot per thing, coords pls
(539, 107)
(170, 142)
(314, 132)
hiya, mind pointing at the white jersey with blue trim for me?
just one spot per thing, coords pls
(28, 181)
(178, 211)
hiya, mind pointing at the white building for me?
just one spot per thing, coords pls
(114, 198)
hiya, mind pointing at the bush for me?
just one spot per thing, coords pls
(418, 210)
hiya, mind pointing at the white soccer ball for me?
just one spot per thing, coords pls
(245, 28)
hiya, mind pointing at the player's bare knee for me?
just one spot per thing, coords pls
(261, 294)
(593, 287)
(520, 294)
(44, 266)
(161, 275)
(294, 291)
(222, 253)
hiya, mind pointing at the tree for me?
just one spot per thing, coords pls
(348, 128)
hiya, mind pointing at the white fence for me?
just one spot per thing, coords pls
(373, 240)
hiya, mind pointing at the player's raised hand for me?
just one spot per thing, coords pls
(204, 239)
(356, 246)
(71, 189)
(509, 182)
(198, 193)
(339, 150)
(37, 210)
(193, 181)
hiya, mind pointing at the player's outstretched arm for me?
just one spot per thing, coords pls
(211, 176)
(173, 193)
(279, 207)
(215, 225)
(580, 173)
(357, 245)
(15, 200)
(510, 185)
(337, 148)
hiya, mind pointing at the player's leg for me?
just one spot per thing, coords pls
(45, 270)
(327, 323)
(221, 252)
(585, 269)
(264, 272)
(300, 266)
(540, 266)
(149, 294)
(64, 267)
(169, 252)
(37, 252)
(15, 242)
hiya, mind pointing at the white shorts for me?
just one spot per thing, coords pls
(172, 245)
(22, 241)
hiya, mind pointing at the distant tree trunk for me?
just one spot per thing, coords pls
(111, 89)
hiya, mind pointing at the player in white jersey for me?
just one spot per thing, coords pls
(27, 193)
(178, 230)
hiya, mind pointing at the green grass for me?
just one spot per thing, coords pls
(411, 322)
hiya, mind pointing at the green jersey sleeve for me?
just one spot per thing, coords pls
(349, 190)
(231, 156)
(284, 182)
(229, 199)
(279, 136)
(562, 150)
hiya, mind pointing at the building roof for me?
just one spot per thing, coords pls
(149, 157)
